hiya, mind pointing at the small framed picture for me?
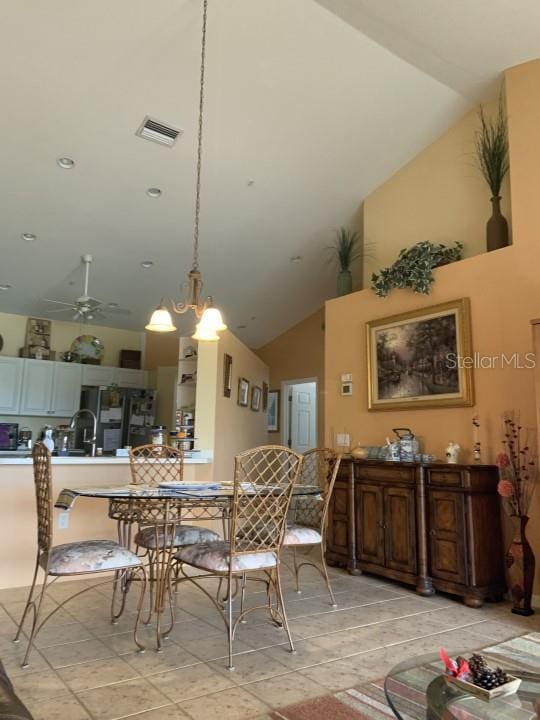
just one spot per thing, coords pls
(264, 397)
(256, 395)
(273, 411)
(243, 392)
(227, 375)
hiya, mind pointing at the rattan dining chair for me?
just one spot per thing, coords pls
(75, 558)
(152, 465)
(309, 515)
(264, 479)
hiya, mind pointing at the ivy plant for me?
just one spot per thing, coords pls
(414, 267)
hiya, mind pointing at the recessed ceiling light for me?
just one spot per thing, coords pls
(6, 286)
(153, 192)
(241, 327)
(65, 163)
(296, 259)
(147, 264)
(250, 182)
(29, 237)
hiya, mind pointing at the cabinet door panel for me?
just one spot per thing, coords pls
(11, 370)
(37, 387)
(126, 377)
(447, 547)
(337, 537)
(369, 523)
(66, 392)
(97, 375)
(400, 529)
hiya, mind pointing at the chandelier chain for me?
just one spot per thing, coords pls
(200, 144)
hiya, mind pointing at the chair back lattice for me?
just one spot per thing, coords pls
(264, 479)
(43, 483)
(320, 468)
(153, 464)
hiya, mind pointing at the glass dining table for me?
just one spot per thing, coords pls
(163, 507)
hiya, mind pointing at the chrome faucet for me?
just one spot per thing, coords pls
(93, 439)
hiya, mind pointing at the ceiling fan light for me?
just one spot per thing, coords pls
(161, 321)
(205, 333)
(211, 320)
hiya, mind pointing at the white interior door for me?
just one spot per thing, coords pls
(302, 416)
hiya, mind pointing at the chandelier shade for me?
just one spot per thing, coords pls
(161, 320)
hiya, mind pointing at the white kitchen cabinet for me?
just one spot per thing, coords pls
(37, 387)
(66, 389)
(129, 378)
(103, 376)
(11, 372)
(98, 375)
(50, 388)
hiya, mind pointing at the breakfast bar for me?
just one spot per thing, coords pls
(90, 521)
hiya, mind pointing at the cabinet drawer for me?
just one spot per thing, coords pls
(386, 472)
(447, 478)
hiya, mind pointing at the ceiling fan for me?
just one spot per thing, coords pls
(86, 307)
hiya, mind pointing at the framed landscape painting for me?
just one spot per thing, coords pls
(421, 359)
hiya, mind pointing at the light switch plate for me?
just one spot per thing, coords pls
(346, 377)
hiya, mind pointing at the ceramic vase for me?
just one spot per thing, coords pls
(497, 227)
(520, 563)
(344, 283)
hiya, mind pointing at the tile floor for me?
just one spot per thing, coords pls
(85, 668)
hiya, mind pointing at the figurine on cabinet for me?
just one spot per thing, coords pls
(452, 453)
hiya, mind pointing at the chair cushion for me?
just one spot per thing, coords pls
(300, 535)
(89, 556)
(184, 535)
(215, 557)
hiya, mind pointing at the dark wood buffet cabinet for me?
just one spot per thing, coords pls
(436, 526)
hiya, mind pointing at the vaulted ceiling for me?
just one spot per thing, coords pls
(310, 105)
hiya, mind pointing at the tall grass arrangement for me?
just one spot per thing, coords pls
(492, 147)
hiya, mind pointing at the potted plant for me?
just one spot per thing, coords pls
(345, 250)
(414, 267)
(492, 158)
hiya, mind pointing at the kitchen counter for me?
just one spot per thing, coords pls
(88, 520)
(14, 458)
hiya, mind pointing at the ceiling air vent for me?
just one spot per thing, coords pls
(157, 131)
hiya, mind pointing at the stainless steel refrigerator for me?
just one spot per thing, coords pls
(124, 417)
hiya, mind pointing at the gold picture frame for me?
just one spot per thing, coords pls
(421, 359)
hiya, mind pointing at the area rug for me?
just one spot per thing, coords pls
(368, 702)
(365, 703)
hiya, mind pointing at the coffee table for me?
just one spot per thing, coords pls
(417, 689)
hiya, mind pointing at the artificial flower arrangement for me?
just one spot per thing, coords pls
(517, 468)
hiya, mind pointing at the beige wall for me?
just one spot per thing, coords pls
(237, 428)
(298, 353)
(13, 330)
(439, 196)
(504, 291)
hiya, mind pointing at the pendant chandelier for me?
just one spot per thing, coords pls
(210, 320)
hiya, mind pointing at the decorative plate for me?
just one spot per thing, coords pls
(88, 347)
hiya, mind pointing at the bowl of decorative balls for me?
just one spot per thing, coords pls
(478, 678)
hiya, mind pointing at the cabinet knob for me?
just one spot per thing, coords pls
(432, 533)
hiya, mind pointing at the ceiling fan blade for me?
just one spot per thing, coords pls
(60, 310)
(58, 302)
(116, 311)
